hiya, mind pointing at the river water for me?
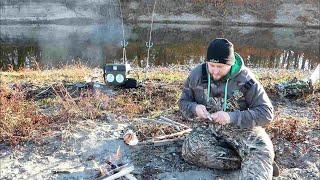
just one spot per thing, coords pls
(53, 45)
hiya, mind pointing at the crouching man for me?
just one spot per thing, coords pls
(230, 107)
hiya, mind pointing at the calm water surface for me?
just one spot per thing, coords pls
(54, 45)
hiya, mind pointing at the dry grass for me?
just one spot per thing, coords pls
(148, 100)
(269, 77)
(88, 105)
(161, 74)
(23, 120)
(291, 128)
(70, 73)
(160, 91)
(20, 120)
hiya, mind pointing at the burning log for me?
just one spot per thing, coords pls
(112, 170)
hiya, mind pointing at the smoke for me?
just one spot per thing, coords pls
(88, 30)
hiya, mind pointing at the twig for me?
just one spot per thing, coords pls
(124, 171)
(161, 142)
(226, 158)
(99, 168)
(43, 91)
(161, 122)
(104, 172)
(60, 172)
(130, 177)
(155, 121)
(66, 170)
(173, 122)
(173, 135)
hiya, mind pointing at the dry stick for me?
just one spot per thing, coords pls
(99, 168)
(162, 122)
(66, 94)
(103, 171)
(66, 170)
(226, 158)
(130, 177)
(173, 135)
(167, 141)
(122, 172)
(155, 121)
(161, 142)
(173, 122)
(43, 91)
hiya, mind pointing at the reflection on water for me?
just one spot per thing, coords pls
(53, 45)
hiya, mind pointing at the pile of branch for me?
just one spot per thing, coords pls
(173, 137)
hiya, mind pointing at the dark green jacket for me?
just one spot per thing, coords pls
(246, 100)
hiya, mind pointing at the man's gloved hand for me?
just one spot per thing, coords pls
(221, 117)
(202, 112)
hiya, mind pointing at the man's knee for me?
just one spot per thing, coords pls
(257, 166)
(262, 142)
(189, 150)
(192, 146)
(205, 151)
(257, 155)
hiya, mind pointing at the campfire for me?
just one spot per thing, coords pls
(114, 169)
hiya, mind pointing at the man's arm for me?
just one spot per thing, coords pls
(260, 111)
(187, 104)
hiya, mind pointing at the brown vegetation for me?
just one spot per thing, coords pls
(24, 119)
(20, 120)
(292, 129)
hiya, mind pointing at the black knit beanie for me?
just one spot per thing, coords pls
(221, 50)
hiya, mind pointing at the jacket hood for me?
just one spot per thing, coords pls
(235, 69)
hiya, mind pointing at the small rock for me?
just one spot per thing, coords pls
(15, 171)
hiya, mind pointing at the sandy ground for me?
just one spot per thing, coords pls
(73, 154)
